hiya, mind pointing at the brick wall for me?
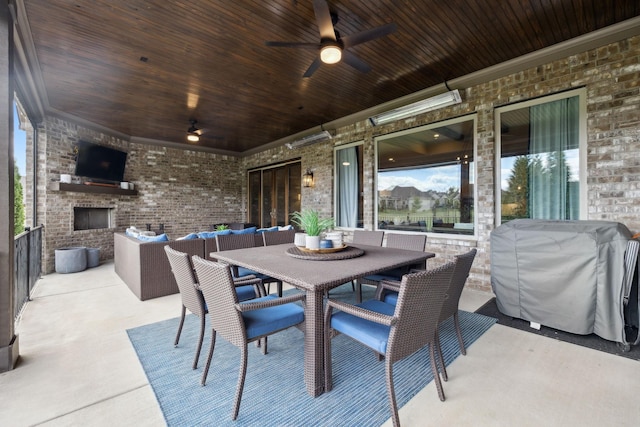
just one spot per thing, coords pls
(187, 190)
(611, 76)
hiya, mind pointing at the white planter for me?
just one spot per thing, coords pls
(300, 240)
(313, 242)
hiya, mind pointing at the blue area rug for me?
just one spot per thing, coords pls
(274, 392)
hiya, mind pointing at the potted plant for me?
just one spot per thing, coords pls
(309, 220)
(222, 227)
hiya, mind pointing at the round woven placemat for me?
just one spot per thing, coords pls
(347, 253)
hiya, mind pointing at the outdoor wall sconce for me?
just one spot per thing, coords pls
(307, 179)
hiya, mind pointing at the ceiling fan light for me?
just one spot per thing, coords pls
(193, 137)
(330, 54)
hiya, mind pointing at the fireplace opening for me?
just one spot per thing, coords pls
(92, 218)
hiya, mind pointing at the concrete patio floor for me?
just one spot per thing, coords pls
(78, 367)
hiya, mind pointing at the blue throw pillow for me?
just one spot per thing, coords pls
(249, 230)
(286, 227)
(159, 238)
(262, 230)
(189, 236)
(213, 234)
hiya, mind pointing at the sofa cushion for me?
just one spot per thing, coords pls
(213, 234)
(249, 230)
(262, 230)
(285, 228)
(132, 232)
(188, 236)
(159, 238)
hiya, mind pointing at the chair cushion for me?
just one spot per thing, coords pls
(391, 297)
(371, 334)
(245, 272)
(271, 319)
(395, 274)
(245, 293)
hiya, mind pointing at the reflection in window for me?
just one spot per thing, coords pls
(349, 200)
(425, 179)
(539, 161)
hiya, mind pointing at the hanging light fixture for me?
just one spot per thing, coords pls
(307, 179)
(193, 133)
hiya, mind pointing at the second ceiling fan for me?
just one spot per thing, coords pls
(332, 47)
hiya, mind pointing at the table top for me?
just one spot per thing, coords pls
(313, 275)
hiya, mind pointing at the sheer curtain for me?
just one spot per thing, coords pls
(553, 133)
(347, 176)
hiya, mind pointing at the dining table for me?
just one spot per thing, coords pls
(316, 275)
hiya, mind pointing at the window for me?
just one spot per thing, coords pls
(539, 147)
(425, 178)
(348, 194)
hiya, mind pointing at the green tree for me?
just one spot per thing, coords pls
(452, 198)
(18, 206)
(416, 204)
(518, 187)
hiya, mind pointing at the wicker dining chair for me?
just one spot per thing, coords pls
(270, 238)
(192, 298)
(394, 331)
(229, 242)
(242, 323)
(410, 242)
(388, 292)
(369, 238)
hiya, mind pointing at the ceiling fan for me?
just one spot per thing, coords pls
(332, 47)
(193, 133)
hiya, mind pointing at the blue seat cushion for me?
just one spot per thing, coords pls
(246, 292)
(395, 274)
(371, 334)
(265, 321)
(246, 272)
(391, 297)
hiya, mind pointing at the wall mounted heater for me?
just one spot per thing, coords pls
(439, 101)
(325, 135)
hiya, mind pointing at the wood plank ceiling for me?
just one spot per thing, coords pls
(144, 68)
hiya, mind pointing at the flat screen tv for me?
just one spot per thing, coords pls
(100, 163)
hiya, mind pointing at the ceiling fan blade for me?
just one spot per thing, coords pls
(312, 68)
(293, 44)
(323, 17)
(366, 35)
(355, 62)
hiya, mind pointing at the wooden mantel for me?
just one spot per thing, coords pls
(85, 188)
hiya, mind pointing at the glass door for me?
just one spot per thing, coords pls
(274, 193)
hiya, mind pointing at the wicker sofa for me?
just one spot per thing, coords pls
(144, 267)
